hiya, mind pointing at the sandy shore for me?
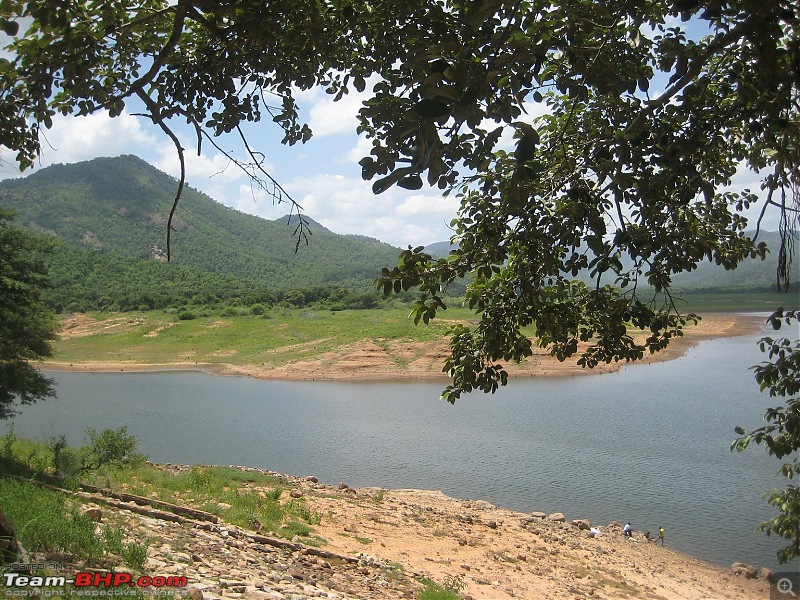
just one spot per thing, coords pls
(402, 537)
(368, 360)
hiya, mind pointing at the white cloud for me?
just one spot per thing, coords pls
(359, 151)
(327, 117)
(347, 205)
(74, 139)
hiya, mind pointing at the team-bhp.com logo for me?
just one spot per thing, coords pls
(19, 582)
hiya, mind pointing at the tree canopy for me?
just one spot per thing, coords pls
(26, 324)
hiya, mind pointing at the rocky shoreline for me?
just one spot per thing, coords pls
(384, 543)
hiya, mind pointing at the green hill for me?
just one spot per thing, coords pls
(110, 215)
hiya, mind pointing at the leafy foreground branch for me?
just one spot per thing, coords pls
(780, 376)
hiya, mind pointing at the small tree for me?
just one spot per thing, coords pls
(27, 325)
(781, 435)
(109, 447)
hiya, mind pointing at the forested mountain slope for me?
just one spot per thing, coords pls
(110, 215)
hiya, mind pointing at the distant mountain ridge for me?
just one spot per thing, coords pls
(751, 274)
(118, 207)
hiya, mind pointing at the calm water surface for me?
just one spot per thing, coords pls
(649, 444)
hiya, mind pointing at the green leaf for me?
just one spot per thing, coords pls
(428, 108)
(410, 182)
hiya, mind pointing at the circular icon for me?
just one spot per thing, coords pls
(784, 586)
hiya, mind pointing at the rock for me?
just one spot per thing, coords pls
(296, 494)
(582, 523)
(766, 573)
(746, 571)
(492, 524)
(556, 517)
(312, 479)
(9, 547)
(93, 513)
(614, 525)
(195, 594)
(343, 486)
(538, 515)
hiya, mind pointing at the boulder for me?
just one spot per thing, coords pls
(94, 513)
(9, 548)
(296, 494)
(746, 571)
(538, 515)
(582, 523)
(557, 517)
(766, 573)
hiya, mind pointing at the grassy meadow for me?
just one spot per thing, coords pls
(284, 335)
(278, 337)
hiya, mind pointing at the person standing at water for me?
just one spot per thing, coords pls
(661, 535)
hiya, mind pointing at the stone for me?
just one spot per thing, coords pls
(93, 513)
(492, 524)
(9, 547)
(538, 515)
(766, 573)
(745, 570)
(557, 517)
(582, 523)
(195, 594)
(312, 479)
(296, 494)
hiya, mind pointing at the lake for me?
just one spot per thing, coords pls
(649, 444)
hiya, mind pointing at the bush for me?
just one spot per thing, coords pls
(110, 447)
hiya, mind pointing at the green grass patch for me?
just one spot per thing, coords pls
(243, 498)
(362, 540)
(434, 591)
(247, 499)
(290, 335)
(44, 522)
